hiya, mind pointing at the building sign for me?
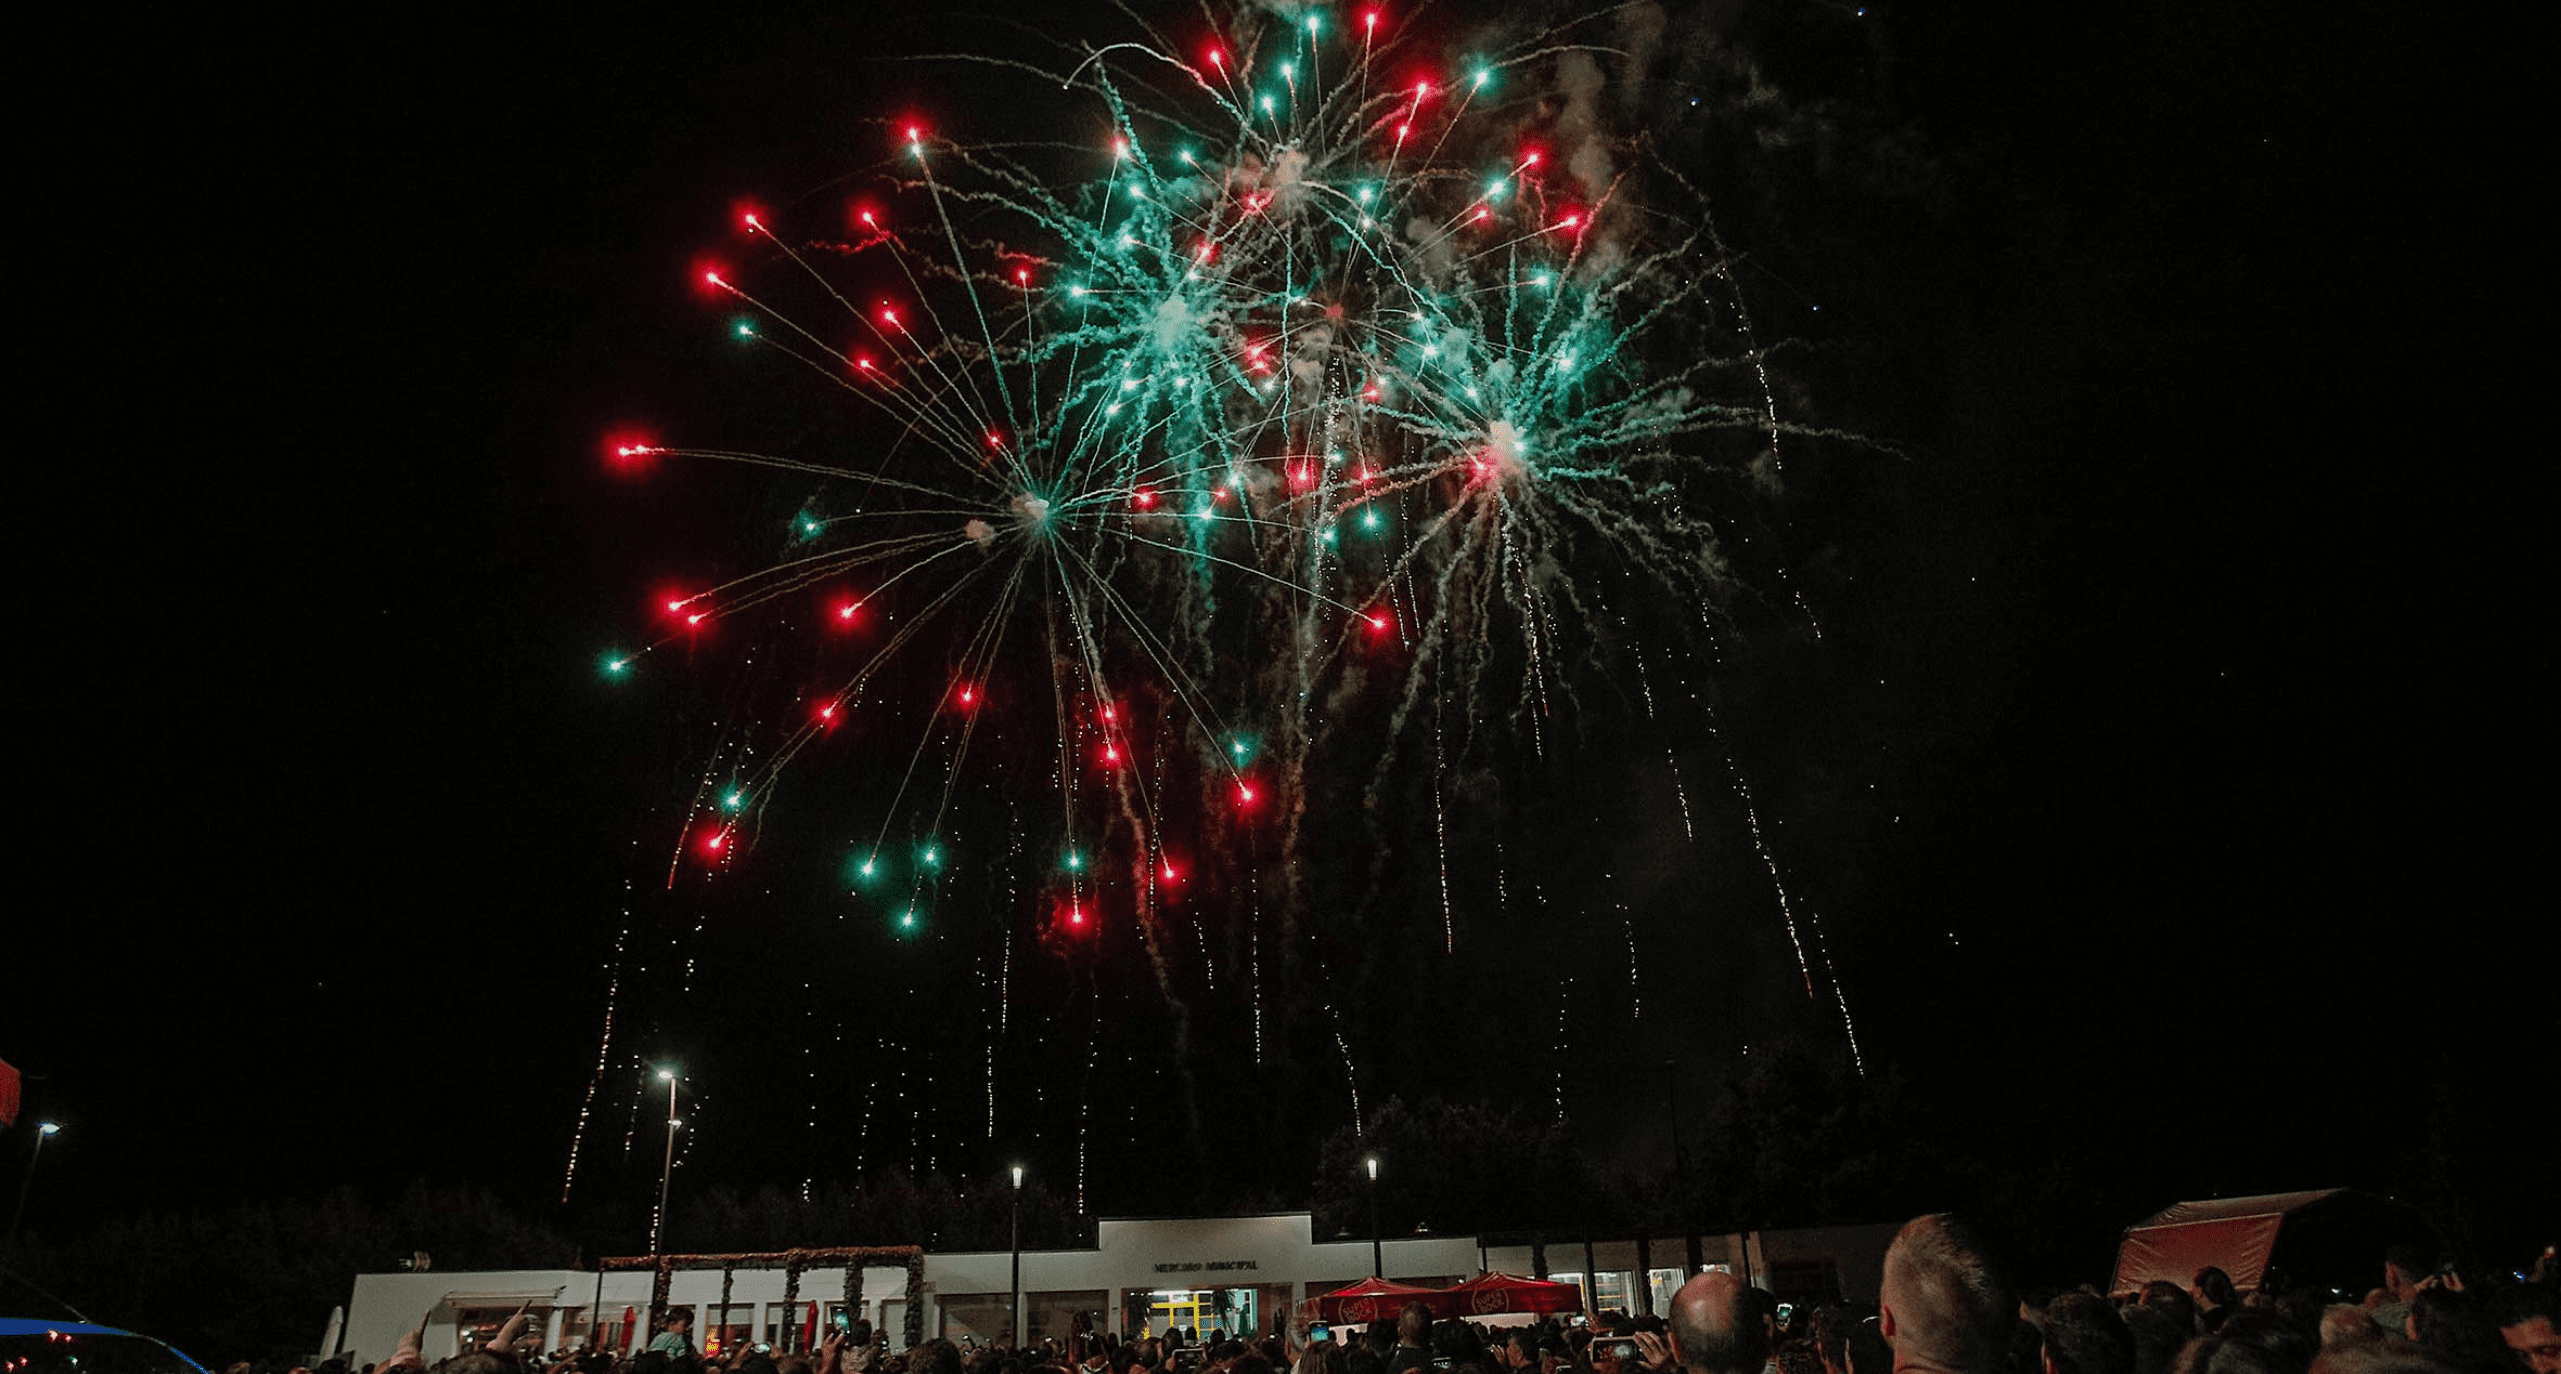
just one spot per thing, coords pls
(1197, 1266)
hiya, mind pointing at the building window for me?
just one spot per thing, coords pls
(1609, 1290)
(1052, 1315)
(726, 1328)
(1233, 1312)
(971, 1320)
(782, 1325)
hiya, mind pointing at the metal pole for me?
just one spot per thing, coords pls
(27, 1183)
(1018, 1258)
(658, 1226)
(1377, 1264)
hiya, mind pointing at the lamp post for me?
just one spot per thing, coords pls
(1377, 1266)
(666, 1171)
(19, 1212)
(1017, 1308)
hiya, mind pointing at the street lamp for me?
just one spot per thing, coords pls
(1017, 1308)
(1377, 1266)
(658, 1225)
(18, 1212)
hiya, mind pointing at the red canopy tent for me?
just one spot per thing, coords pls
(1490, 1293)
(1373, 1300)
(2333, 1236)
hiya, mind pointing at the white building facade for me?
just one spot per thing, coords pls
(1233, 1274)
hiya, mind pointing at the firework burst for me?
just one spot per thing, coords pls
(1318, 425)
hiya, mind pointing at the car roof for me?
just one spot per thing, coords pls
(32, 1326)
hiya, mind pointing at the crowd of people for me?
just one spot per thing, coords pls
(1945, 1308)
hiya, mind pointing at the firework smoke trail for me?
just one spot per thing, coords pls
(1305, 381)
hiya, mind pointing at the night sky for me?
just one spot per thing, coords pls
(2162, 775)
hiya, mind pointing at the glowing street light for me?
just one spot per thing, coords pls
(658, 1225)
(43, 1133)
(1017, 1308)
(1377, 1266)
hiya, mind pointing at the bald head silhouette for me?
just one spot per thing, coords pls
(1945, 1308)
(1715, 1330)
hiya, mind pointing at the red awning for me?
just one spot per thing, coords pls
(1490, 1293)
(2234, 1233)
(1375, 1300)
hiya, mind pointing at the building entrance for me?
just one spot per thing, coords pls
(1199, 1311)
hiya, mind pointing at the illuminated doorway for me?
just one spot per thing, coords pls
(1235, 1311)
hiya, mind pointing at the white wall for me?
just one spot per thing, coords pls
(1128, 1256)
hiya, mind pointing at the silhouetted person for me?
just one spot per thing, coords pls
(1717, 1329)
(2084, 1335)
(1945, 1308)
(2529, 1320)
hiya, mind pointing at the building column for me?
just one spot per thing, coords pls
(1643, 1298)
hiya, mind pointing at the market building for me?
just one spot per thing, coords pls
(1231, 1274)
